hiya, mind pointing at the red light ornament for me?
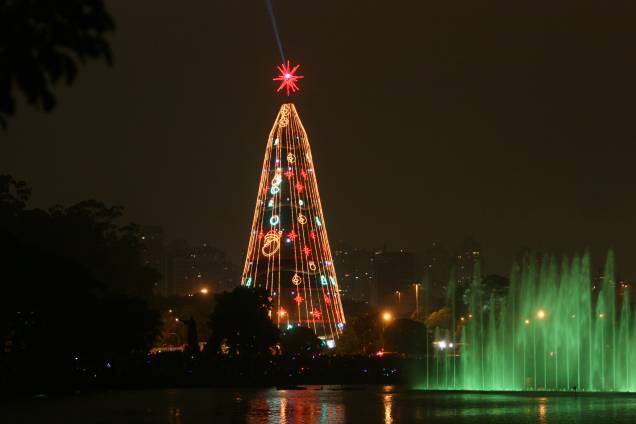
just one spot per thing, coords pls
(288, 78)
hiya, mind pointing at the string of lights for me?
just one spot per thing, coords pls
(288, 251)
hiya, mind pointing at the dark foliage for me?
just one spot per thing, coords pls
(300, 341)
(405, 336)
(241, 323)
(43, 42)
(68, 277)
(361, 335)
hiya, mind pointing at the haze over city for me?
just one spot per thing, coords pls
(426, 126)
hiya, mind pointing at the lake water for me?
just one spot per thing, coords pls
(326, 404)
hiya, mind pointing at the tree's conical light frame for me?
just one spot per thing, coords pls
(288, 252)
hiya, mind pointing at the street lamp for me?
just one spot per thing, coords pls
(417, 299)
(386, 318)
(541, 314)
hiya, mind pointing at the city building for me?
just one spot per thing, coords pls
(465, 260)
(394, 283)
(356, 272)
(154, 255)
(184, 269)
(198, 269)
(436, 273)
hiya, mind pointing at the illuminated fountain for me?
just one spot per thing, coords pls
(552, 331)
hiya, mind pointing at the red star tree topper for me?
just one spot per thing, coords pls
(288, 78)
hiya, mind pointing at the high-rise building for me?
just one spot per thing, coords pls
(356, 272)
(193, 269)
(436, 273)
(395, 275)
(465, 260)
(153, 255)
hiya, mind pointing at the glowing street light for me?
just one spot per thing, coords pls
(541, 314)
(526, 322)
(203, 291)
(386, 318)
(417, 299)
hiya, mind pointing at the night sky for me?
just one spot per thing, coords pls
(511, 121)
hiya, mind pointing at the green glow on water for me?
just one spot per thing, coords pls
(551, 331)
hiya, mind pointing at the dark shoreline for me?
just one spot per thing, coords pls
(180, 371)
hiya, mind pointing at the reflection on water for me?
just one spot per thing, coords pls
(328, 404)
(294, 406)
(542, 410)
(282, 412)
(388, 418)
(174, 416)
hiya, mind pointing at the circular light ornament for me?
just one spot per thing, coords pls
(302, 220)
(296, 279)
(271, 244)
(312, 265)
(291, 158)
(274, 220)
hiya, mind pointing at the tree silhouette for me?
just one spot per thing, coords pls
(441, 318)
(193, 335)
(87, 233)
(405, 336)
(240, 323)
(43, 42)
(63, 284)
(300, 341)
(361, 335)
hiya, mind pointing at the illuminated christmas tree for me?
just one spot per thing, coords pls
(288, 252)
